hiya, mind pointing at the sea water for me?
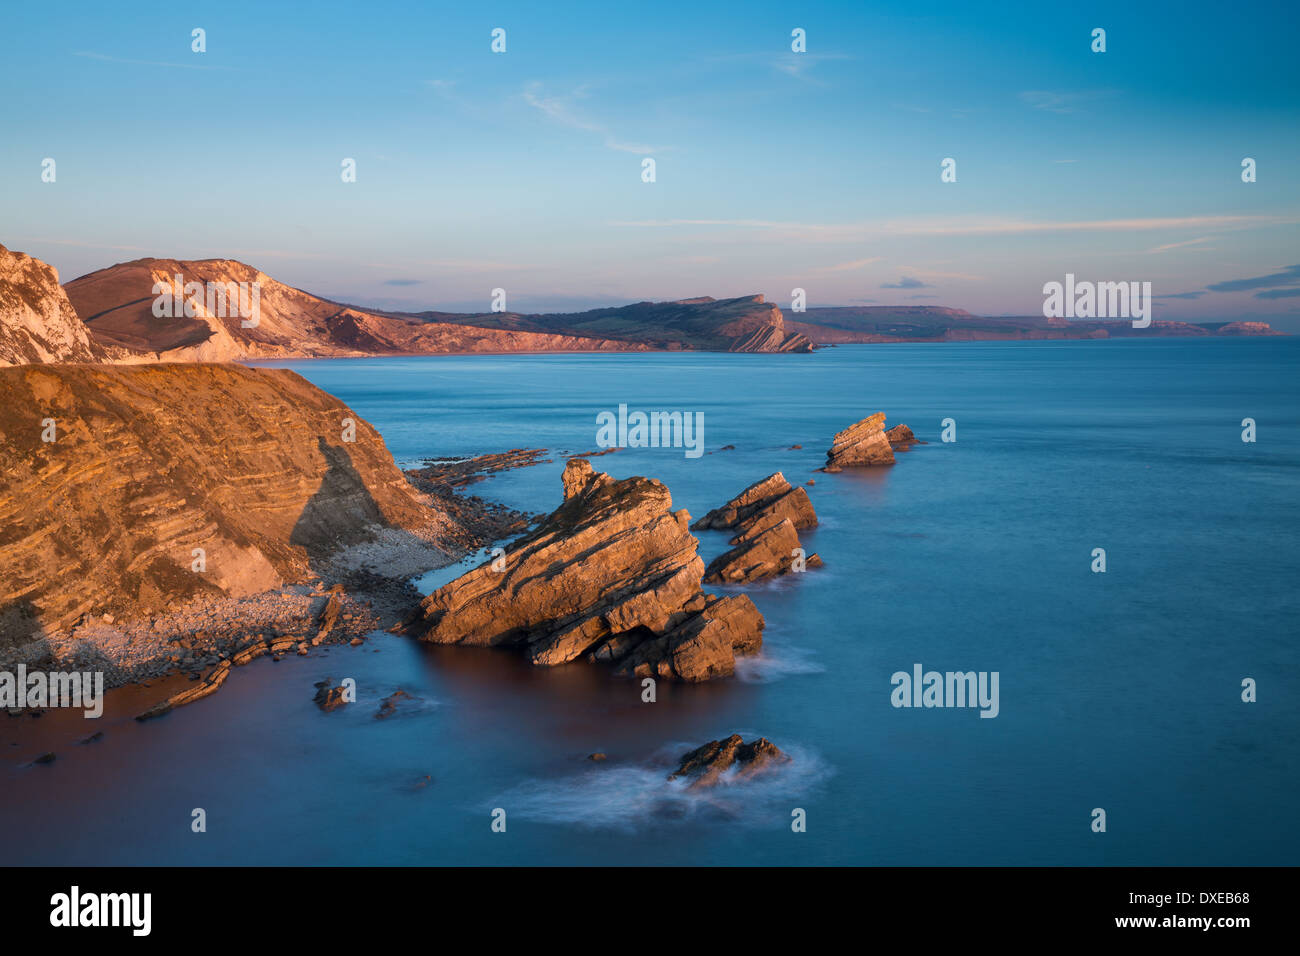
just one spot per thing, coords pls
(1119, 691)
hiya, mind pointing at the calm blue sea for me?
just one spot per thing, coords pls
(1119, 691)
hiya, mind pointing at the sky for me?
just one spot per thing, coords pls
(774, 170)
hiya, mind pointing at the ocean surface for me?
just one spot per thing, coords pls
(1119, 690)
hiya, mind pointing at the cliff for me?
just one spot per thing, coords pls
(37, 322)
(148, 463)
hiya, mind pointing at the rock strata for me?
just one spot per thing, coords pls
(861, 444)
(765, 517)
(612, 576)
(761, 501)
(707, 765)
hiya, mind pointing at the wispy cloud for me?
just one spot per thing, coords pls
(1177, 245)
(1057, 101)
(906, 282)
(1180, 295)
(560, 109)
(105, 58)
(859, 231)
(853, 266)
(801, 65)
(1288, 276)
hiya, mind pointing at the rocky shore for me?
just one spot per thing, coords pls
(611, 576)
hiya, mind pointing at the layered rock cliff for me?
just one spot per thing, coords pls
(127, 489)
(37, 322)
(612, 576)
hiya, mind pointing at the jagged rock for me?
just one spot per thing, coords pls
(765, 517)
(900, 437)
(773, 497)
(329, 697)
(708, 764)
(861, 444)
(764, 551)
(612, 575)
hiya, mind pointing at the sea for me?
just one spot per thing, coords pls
(1163, 691)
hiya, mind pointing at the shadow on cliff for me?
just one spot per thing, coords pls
(343, 514)
(20, 624)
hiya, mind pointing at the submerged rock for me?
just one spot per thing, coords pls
(328, 697)
(611, 575)
(708, 764)
(388, 706)
(861, 444)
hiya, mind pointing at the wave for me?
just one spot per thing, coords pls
(635, 796)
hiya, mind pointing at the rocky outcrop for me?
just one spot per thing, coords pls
(900, 438)
(764, 551)
(612, 576)
(861, 444)
(37, 322)
(773, 497)
(732, 759)
(329, 697)
(128, 489)
(765, 517)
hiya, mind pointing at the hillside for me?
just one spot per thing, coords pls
(118, 306)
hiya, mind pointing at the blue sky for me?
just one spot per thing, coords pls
(774, 170)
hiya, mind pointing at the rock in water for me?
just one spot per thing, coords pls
(763, 552)
(764, 516)
(861, 444)
(900, 436)
(770, 497)
(612, 575)
(328, 697)
(709, 763)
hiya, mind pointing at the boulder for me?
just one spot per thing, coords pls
(707, 764)
(861, 444)
(611, 575)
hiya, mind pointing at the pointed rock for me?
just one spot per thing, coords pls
(861, 444)
(612, 575)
